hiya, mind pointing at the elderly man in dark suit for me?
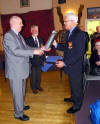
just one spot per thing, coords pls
(74, 50)
(37, 61)
(17, 55)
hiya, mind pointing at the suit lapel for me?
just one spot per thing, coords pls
(32, 42)
(19, 41)
(69, 41)
(22, 41)
(38, 42)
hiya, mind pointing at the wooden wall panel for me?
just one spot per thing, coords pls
(74, 6)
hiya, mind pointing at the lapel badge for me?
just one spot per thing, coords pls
(69, 44)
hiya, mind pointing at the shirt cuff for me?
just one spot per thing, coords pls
(65, 65)
(56, 45)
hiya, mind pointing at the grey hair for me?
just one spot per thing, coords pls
(72, 16)
(32, 26)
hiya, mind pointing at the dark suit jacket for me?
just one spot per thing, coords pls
(87, 41)
(74, 50)
(36, 60)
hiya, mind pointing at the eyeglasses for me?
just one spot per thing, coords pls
(68, 21)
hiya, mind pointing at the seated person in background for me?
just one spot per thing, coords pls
(95, 35)
(36, 61)
(95, 59)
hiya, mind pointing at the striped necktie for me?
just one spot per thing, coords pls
(36, 42)
(19, 36)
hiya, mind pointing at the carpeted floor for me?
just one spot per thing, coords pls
(92, 93)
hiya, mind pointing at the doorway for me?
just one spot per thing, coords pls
(90, 27)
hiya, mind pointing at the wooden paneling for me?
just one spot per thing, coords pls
(73, 5)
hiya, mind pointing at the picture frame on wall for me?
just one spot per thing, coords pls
(93, 13)
(61, 1)
(24, 3)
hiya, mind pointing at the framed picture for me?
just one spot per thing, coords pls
(61, 1)
(24, 3)
(62, 36)
(93, 13)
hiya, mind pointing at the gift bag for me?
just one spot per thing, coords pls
(95, 112)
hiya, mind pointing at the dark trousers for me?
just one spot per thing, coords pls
(76, 84)
(35, 77)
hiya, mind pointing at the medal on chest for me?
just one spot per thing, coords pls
(69, 44)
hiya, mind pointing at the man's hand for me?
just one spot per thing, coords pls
(38, 52)
(98, 63)
(97, 35)
(44, 63)
(54, 43)
(60, 64)
(44, 49)
(86, 52)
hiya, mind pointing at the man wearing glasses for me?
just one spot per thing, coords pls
(74, 50)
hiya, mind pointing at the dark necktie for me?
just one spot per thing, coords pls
(36, 42)
(69, 35)
(21, 39)
(19, 36)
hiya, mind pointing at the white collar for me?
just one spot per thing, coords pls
(15, 31)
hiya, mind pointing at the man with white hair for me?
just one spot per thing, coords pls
(17, 55)
(74, 50)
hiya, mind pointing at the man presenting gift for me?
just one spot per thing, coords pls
(74, 50)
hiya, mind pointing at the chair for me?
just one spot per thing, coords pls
(86, 75)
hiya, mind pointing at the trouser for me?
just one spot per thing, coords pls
(35, 77)
(18, 90)
(76, 84)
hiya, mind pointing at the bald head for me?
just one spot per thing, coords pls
(16, 23)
